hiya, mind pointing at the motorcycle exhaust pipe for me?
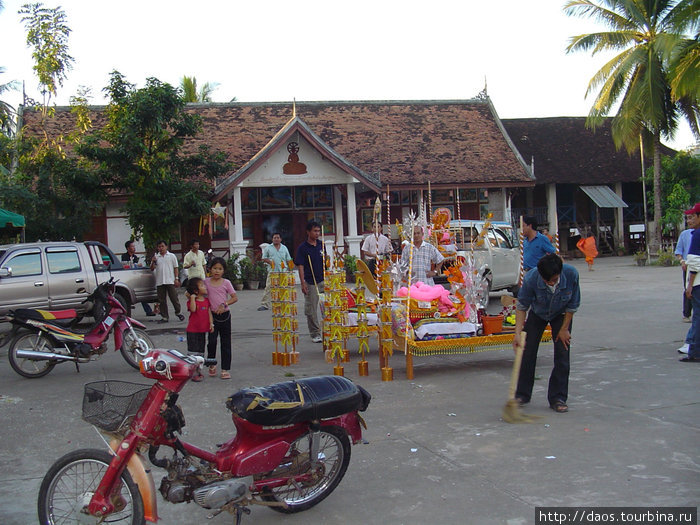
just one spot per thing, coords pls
(43, 356)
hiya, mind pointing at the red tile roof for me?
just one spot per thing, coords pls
(406, 143)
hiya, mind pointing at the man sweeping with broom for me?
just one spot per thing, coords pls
(549, 295)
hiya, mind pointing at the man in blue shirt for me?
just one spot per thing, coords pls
(535, 245)
(692, 288)
(309, 262)
(549, 295)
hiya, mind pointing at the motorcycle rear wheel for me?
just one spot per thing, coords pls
(31, 368)
(70, 483)
(129, 347)
(334, 457)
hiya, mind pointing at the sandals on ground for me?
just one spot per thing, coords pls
(225, 374)
(559, 406)
(212, 371)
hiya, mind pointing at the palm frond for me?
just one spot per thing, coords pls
(605, 13)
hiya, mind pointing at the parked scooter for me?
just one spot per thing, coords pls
(290, 451)
(44, 338)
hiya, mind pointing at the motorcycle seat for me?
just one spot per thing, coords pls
(308, 399)
(56, 317)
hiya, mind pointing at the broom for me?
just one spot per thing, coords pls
(511, 411)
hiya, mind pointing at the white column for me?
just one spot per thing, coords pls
(353, 240)
(507, 209)
(619, 219)
(237, 242)
(552, 208)
(338, 212)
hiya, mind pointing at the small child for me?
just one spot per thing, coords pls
(201, 320)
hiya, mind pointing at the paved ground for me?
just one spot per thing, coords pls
(438, 451)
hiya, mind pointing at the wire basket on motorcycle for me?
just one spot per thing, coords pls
(111, 405)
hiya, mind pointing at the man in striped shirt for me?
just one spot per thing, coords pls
(427, 260)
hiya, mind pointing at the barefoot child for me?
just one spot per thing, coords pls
(201, 320)
(221, 295)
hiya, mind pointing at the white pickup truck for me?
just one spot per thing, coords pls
(61, 275)
(499, 254)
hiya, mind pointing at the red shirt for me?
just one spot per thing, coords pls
(199, 319)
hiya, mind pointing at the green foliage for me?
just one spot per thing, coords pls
(640, 255)
(680, 188)
(246, 266)
(645, 38)
(188, 86)
(54, 192)
(350, 263)
(7, 112)
(145, 133)
(667, 258)
(260, 271)
(47, 35)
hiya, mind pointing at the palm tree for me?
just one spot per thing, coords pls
(647, 36)
(6, 110)
(188, 85)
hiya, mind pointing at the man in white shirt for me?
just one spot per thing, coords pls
(375, 244)
(166, 267)
(275, 255)
(194, 261)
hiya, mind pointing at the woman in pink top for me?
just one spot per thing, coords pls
(221, 294)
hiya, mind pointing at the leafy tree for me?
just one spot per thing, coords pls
(680, 188)
(7, 112)
(58, 195)
(188, 85)
(47, 35)
(646, 35)
(144, 157)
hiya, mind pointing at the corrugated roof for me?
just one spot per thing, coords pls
(604, 197)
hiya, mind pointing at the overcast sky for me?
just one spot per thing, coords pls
(275, 50)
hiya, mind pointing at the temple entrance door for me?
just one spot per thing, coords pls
(283, 223)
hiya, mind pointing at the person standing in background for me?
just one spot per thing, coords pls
(132, 259)
(165, 265)
(535, 245)
(375, 244)
(309, 262)
(681, 252)
(692, 288)
(194, 261)
(275, 255)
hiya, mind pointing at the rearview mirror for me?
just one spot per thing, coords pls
(5, 272)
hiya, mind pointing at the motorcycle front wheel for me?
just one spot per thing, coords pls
(333, 459)
(70, 483)
(28, 367)
(135, 345)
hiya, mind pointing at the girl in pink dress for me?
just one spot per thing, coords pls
(221, 295)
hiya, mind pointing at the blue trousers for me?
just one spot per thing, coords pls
(559, 378)
(694, 345)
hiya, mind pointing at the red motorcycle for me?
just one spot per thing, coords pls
(290, 451)
(43, 338)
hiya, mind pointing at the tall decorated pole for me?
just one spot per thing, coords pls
(522, 253)
(556, 232)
